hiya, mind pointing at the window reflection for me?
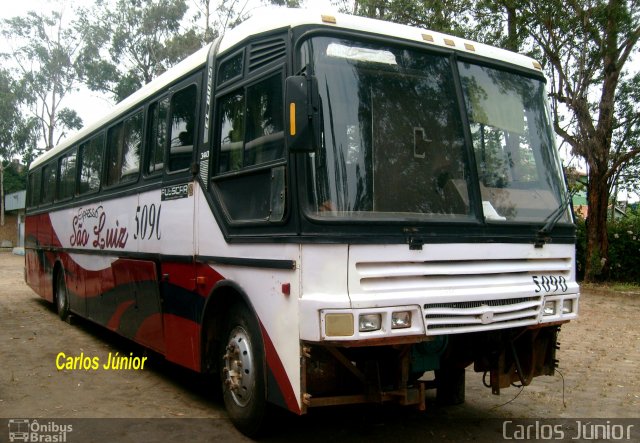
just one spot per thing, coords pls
(91, 164)
(519, 176)
(393, 137)
(183, 121)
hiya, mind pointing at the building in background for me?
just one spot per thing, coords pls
(12, 233)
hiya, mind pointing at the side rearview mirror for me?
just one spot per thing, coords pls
(302, 120)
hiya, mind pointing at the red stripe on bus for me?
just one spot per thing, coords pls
(150, 333)
(114, 321)
(182, 341)
(279, 373)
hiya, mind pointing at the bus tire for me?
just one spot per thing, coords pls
(62, 296)
(242, 371)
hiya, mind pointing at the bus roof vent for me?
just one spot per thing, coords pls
(265, 52)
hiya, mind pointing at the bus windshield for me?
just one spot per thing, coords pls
(393, 140)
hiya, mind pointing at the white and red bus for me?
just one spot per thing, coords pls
(318, 210)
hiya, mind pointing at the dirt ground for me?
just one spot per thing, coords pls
(599, 360)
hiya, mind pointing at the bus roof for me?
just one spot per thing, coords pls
(273, 18)
(277, 18)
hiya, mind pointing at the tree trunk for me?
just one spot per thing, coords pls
(597, 263)
(512, 28)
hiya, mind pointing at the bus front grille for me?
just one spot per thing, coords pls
(442, 318)
(459, 296)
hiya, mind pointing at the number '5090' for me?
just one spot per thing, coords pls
(549, 283)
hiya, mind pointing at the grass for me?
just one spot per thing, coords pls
(620, 287)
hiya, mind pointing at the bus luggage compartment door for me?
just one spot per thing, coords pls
(137, 309)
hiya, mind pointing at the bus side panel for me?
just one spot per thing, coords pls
(97, 277)
(46, 243)
(75, 285)
(137, 312)
(32, 259)
(182, 310)
(273, 294)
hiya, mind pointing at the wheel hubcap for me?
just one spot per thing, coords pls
(238, 367)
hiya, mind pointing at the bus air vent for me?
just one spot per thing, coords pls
(266, 52)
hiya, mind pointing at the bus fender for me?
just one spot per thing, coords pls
(223, 295)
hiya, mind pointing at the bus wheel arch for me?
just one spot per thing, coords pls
(222, 297)
(60, 291)
(233, 348)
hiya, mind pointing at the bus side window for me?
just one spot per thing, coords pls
(90, 164)
(251, 133)
(48, 183)
(183, 119)
(67, 176)
(158, 113)
(34, 187)
(264, 136)
(124, 142)
(231, 132)
(250, 123)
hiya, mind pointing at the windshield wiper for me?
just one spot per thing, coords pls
(552, 219)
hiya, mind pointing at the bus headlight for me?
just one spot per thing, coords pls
(401, 320)
(550, 308)
(339, 325)
(567, 306)
(369, 322)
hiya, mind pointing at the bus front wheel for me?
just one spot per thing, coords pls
(62, 296)
(242, 372)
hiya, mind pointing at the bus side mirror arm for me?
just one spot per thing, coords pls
(302, 117)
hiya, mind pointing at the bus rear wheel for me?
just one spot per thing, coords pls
(62, 296)
(242, 372)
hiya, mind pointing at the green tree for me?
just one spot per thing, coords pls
(15, 133)
(287, 3)
(45, 53)
(587, 45)
(15, 177)
(449, 16)
(9, 116)
(627, 134)
(131, 42)
(500, 23)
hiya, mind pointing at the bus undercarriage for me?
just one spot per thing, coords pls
(335, 374)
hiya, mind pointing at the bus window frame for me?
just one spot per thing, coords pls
(247, 81)
(37, 176)
(146, 158)
(66, 154)
(223, 84)
(104, 185)
(191, 80)
(102, 132)
(53, 164)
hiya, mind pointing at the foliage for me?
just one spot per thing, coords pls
(13, 129)
(15, 178)
(628, 119)
(586, 50)
(132, 42)
(10, 116)
(585, 47)
(45, 52)
(450, 16)
(624, 249)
